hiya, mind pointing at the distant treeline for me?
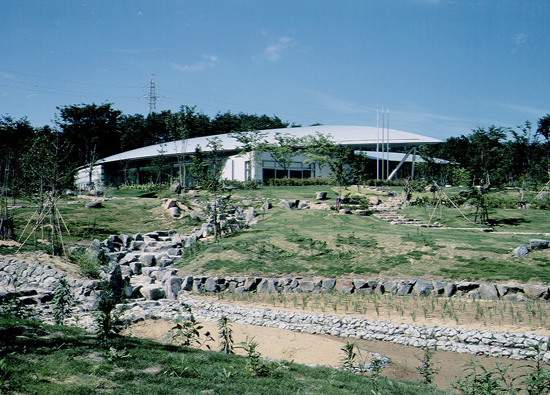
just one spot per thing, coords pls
(84, 133)
(495, 155)
(44, 158)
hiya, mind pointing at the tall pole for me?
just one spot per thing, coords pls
(383, 141)
(377, 143)
(388, 146)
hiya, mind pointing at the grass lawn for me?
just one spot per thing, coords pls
(41, 359)
(320, 243)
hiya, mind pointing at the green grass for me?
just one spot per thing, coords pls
(319, 243)
(41, 359)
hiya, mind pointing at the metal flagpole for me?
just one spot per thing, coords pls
(383, 141)
(377, 143)
(388, 146)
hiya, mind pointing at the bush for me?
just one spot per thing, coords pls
(298, 182)
(89, 266)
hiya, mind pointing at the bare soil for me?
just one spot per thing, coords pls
(325, 350)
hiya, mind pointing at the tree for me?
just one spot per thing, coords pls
(283, 149)
(323, 150)
(93, 130)
(251, 143)
(544, 127)
(179, 134)
(207, 169)
(50, 171)
(15, 139)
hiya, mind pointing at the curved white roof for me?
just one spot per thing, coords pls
(360, 136)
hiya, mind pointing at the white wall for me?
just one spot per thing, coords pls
(83, 177)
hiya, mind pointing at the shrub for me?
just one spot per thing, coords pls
(62, 299)
(89, 266)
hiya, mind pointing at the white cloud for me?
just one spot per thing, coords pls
(274, 52)
(341, 105)
(208, 61)
(520, 38)
(537, 112)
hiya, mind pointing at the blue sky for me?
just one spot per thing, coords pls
(442, 67)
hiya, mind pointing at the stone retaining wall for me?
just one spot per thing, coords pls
(35, 282)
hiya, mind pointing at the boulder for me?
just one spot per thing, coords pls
(152, 292)
(374, 200)
(536, 291)
(328, 284)
(169, 203)
(423, 287)
(488, 291)
(344, 211)
(266, 206)
(193, 193)
(321, 195)
(147, 260)
(521, 251)
(174, 212)
(175, 188)
(94, 204)
(538, 244)
(343, 286)
(250, 216)
(288, 204)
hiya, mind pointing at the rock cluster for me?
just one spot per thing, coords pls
(34, 284)
(534, 244)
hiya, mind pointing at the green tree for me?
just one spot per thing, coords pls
(93, 130)
(282, 149)
(49, 172)
(323, 150)
(62, 299)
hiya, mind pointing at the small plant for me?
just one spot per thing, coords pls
(62, 299)
(88, 265)
(536, 379)
(105, 310)
(187, 331)
(254, 365)
(348, 360)
(225, 335)
(480, 381)
(115, 355)
(427, 368)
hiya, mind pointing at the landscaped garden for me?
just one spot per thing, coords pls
(319, 243)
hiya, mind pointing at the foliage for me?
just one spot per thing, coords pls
(348, 360)
(427, 368)
(225, 335)
(322, 150)
(283, 149)
(106, 311)
(535, 379)
(88, 265)
(254, 363)
(62, 299)
(186, 332)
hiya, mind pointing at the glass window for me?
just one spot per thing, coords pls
(281, 173)
(268, 174)
(295, 173)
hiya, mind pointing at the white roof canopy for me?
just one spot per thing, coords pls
(356, 136)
